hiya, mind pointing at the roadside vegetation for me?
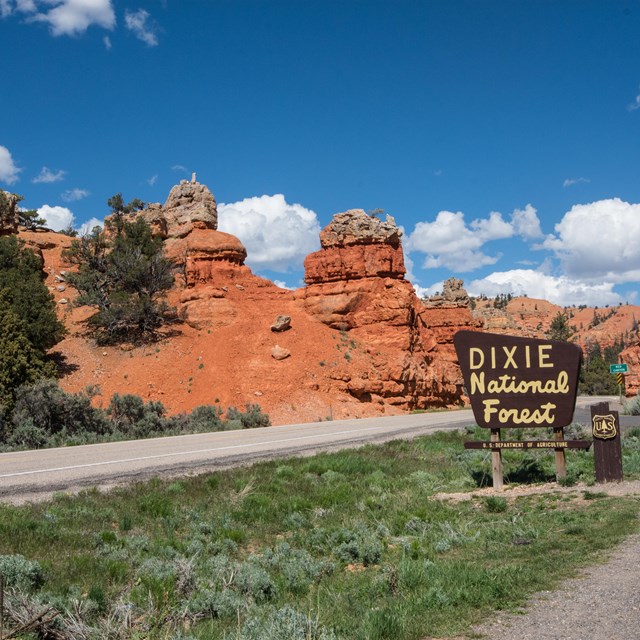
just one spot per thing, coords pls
(45, 416)
(28, 319)
(361, 544)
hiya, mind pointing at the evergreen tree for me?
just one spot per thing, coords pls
(123, 273)
(560, 328)
(21, 280)
(20, 361)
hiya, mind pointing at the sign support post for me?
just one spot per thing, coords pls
(561, 458)
(496, 461)
(607, 448)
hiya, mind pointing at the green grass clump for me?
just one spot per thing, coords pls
(351, 545)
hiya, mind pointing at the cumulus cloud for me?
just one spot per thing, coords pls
(46, 176)
(560, 290)
(57, 218)
(8, 169)
(526, 223)
(71, 17)
(599, 241)
(276, 234)
(450, 242)
(140, 24)
(569, 182)
(5, 8)
(71, 195)
(89, 225)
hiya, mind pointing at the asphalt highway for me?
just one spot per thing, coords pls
(36, 475)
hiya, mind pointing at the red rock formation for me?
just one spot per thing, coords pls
(631, 357)
(8, 213)
(356, 283)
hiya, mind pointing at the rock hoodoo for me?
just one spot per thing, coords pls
(356, 245)
(356, 283)
(8, 213)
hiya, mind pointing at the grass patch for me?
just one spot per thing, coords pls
(346, 545)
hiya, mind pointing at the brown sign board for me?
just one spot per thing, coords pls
(517, 382)
(607, 447)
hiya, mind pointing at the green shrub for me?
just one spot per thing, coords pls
(21, 573)
(216, 604)
(359, 545)
(495, 504)
(254, 581)
(45, 415)
(205, 418)
(251, 418)
(283, 624)
(133, 417)
(632, 407)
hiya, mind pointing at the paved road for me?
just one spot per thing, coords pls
(32, 475)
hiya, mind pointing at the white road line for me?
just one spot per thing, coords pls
(186, 453)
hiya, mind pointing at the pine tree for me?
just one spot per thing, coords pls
(123, 274)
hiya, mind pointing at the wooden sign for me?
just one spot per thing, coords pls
(518, 382)
(517, 445)
(607, 448)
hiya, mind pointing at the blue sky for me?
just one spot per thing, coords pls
(502, 136)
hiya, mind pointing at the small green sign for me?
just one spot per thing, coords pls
(618, 368)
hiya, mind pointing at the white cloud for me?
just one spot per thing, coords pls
(449, 242)
(153, 179)
(57, 218)
(560, 290)
(599, 241)
(46, 176)
(88, 226)
(73, 17)
(180, 168)
(276, 234)
(71, 195)
(283, 285)
(8, 169)
(635, 104)
(5, 8)
(107, 43)
(569, 182)
(140, 24)
(526, 223)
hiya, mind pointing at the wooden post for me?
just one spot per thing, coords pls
(607, 448)
(496, 461)
(561, 460)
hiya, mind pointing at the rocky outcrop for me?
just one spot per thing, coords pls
(189, 206)
(453, 295)
(360, 261)
(8, 213)
(357, 227)
(631, 357)
(356, 284)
